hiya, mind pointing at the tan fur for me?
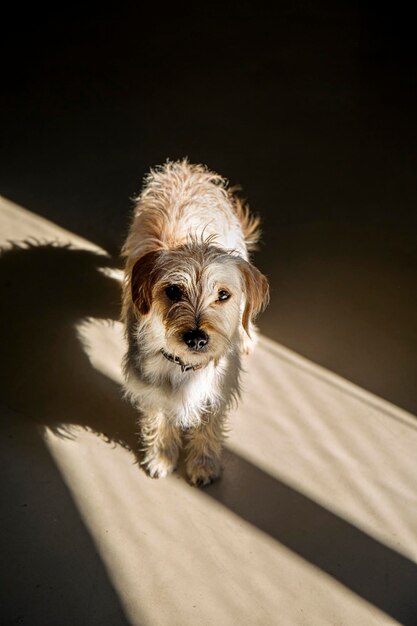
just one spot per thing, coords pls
(250, 224)
(190, 233)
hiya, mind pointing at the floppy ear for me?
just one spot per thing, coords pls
(143, 276)
(256, 293)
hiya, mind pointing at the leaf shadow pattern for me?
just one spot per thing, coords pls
(45, 290)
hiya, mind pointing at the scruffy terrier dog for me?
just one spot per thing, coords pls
(190, 297)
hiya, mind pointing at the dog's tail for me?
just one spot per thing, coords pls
(250, 223)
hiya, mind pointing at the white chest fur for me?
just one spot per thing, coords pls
(184, 397)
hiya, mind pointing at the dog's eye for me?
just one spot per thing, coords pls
(222, 295)
(174, 293)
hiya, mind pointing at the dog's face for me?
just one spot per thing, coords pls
(194, 300)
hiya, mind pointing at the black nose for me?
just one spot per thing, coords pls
(195, 339)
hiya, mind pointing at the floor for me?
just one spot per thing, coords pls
(315, 520)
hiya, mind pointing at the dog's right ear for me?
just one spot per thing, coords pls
(256, 293)
(142, 279)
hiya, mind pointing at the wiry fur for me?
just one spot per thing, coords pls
(189, 230)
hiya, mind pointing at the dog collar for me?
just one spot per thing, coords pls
(177, 360)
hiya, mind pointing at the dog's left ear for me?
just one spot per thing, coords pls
(142, 279)
(256, 293)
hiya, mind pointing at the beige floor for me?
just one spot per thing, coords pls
(314, 521)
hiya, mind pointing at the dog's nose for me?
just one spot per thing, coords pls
(195, 339)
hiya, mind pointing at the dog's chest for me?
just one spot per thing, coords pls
(186, 396)
(193, 388)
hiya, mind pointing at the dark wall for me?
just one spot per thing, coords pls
(311, 108)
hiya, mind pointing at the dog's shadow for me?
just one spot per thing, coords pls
(46, 290)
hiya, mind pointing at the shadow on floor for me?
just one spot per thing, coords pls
(44, 371)
(45, 291)
(50, 569)
(344, 296)
(367, 567)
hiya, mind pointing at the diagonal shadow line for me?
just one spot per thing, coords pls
(367, 567)
(323, 376)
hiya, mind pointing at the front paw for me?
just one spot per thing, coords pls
(159, 464)
(203, 470)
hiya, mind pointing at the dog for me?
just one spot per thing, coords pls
(190, 298)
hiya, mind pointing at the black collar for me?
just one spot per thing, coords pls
(177, 360)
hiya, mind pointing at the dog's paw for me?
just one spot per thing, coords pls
(202, 471)
(159, 465)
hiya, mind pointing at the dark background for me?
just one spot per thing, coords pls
(311, 108)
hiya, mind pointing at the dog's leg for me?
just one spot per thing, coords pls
(204, 444)
(161, 441)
